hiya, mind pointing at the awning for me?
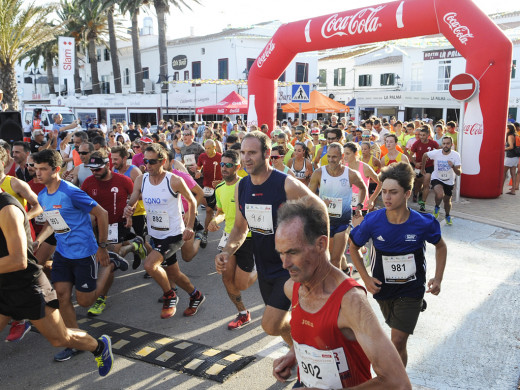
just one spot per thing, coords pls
(319, 103)
(351, 103)
(231, 104)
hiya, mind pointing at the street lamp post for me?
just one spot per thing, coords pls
(164, 79)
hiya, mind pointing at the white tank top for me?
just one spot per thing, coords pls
(83, 173)
(338, 191)
(163, 208)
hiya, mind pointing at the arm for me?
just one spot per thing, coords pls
(283, 365)
(75, 174)
(295, 189)
(236, 237)
(357, 315)
(177, 184)
(134, 173)
(373, 285)
(217, 219)
(355, 179)
(405, 159)
(101, 216)
(456, 168)
(179, 166)
(315, 181)
(441, 252)
(423, 162)
(369, 172)
(73, 125)
(511, 141)
(12, 226)
(317, 157)
(44, 234)
(23, 189)
(136, 194)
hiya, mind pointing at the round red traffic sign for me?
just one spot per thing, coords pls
(463, 86)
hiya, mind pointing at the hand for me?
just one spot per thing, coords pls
(213, 227)
(371, 204)
(450, 164)
(434, 286)
(373, 285)
(188, 234)
(128, 211)
(197, 175)
(220, 261)
(357, 219)
(102, 257)
(418, 165)
(214, 183)
(283, 365)
(193, 168)
(128, 223)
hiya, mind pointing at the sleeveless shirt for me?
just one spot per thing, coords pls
(313, 332)
(301, 173)
(339, 192)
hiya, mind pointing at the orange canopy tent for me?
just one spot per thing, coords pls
(319, 103)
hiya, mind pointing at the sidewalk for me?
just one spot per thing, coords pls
(503, 211)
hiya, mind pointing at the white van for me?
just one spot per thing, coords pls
(44, 113)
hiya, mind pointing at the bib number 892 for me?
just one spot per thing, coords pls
(312, 370)
(157, 218)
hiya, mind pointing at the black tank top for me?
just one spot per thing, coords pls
(23, 278)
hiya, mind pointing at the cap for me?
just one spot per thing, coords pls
(131, 123)
(322, 137)
(146, 140)
(359, 129)
(299, 127)
(315, 131)
(96, 162)
(38, 132)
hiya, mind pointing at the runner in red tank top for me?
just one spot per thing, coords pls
(336, 334)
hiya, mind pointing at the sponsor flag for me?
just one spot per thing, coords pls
(66, 56)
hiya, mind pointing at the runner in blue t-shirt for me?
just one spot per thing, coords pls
(399, 236)
(67, 211)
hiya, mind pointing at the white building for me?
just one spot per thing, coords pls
(407, 78)
(221, 61)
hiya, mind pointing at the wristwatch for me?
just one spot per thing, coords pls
(359, 204)
(102, 244)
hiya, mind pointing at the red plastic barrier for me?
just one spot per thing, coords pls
(487, 50)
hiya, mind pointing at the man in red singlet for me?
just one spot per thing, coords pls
(336, 334)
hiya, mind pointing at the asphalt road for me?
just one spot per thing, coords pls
(468, 338)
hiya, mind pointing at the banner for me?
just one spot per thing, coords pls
(66, 57)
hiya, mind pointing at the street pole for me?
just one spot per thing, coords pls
(300, 114)
(459, 148)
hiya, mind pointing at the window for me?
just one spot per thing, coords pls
(106, 55)
(323, 78)
(223, 69)
(513, 70)
(146, 73)
(282, 77)
(176, 75)
(302, 72)
(417, 76)
(186, 75)
(444, 74)
(387, 79)
(196, 70)
(126, 76)
(105, 84)
(250, 62)
(339, 77)
(365, 80)
(98, 54)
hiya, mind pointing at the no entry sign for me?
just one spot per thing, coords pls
(463, 87)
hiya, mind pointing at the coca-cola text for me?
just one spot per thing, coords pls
(474, 129)
(267, 52)
(364, 21)
(460, 31)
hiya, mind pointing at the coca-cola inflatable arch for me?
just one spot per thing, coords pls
(487, 50)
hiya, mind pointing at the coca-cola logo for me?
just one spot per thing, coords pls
(364, 21)
(267, 52)
(460, 31)
(234, 110)
(474, 129)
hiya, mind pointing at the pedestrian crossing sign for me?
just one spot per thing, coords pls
(300, 93)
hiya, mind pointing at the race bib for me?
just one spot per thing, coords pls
(355, 199)
(399, 269)
(113, 233)
(208, 191)
(223, 241)
(159, 220)
(335, 207)
(56, 221)
(260, 218)
(189, 159)
(320, 369)
(417, 171)
(40, 219)
(444, 175)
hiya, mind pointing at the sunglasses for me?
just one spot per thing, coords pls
(298, 133)
(152, 161)
(227, 165)
(136, 147)
(186, 134)
(331, 139)
(95, 169)
(112, 136)
(30, 165)
(275, 157)
(83, 153)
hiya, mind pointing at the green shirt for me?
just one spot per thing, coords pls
(225, 195)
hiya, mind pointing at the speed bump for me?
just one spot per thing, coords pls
(181, 355)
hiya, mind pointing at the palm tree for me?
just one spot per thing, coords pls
(21, 29)
(162, 8)
(49, 52)
(133, 7)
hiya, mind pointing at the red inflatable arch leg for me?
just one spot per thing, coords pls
(487, 50)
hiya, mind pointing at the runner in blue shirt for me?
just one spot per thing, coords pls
(399, 236)
(67, 211)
